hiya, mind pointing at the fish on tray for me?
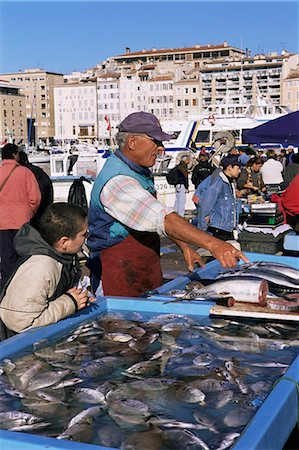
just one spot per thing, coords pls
(242, 289)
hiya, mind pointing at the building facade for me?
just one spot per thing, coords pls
(75, 112)
(37, 86)
(13, 124)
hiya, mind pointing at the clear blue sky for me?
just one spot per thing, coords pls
(64, 36)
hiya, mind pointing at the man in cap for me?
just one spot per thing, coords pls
(218, 205)
(126, 219)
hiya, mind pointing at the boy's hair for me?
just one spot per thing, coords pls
(61, 219)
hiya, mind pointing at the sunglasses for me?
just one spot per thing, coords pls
(155, 141)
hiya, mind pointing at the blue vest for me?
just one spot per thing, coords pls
(104, 230)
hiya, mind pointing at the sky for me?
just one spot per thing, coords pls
(66, 36)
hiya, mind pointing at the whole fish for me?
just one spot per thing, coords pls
(185, 439)
(87, 395)
(85, 414)
(278, 282)
(279, 268)
(44, 379)
(224, 442)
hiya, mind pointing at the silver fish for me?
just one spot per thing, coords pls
(224, 442)
(186, 439)
(46, 379)
(87, 395)
(238, 417)
(85, 414)
(205, 421)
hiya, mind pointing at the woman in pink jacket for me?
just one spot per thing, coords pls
(20, 197)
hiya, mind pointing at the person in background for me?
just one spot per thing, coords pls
(272, 170)
(261, 154)
(290, 203)
(126, 220)
(219, 207)
(291, 170)
(45, 186)
(43, 288)
(290, 153)
(282, 158)
(250, 180)
(234, 151)
(20, 197)
(244, 157)
(202, 170)
(182, 187)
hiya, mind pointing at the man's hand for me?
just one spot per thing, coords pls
(227, 254)
(192, 258)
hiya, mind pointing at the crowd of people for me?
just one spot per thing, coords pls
(40, 240)
(246, 174)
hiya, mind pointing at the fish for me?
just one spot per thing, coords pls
(205, 421)
(281, 304)
(184, 439)
(190, 394)
(238, 417)
(119, 337)
(100, 367)
(90, 412)
(45, 379)
(87, 395)
(278, 282)
(242, 289)
(219, 399)
(279, 268)
(224, 442)
(167, 422)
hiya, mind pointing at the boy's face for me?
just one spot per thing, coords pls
(74, 245)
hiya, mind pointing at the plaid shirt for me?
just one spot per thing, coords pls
(128, 202)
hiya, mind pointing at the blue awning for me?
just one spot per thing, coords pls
(284, 130)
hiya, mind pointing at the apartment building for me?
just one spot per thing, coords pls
(13, 124)
(75, 112)
(37, 86)
(195, 55)
(244, 81)
(291, 90)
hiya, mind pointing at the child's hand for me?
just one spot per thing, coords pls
(80, 295)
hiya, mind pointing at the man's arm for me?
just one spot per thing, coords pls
(178, 229)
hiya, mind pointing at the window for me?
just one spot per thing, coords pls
(194, 90)
(186, 102)
(179, 103)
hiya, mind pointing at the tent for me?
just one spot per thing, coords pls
(284, 130)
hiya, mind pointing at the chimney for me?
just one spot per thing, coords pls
(128, 50)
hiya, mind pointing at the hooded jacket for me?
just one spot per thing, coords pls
(35, 294)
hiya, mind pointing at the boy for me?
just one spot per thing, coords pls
(43, 288)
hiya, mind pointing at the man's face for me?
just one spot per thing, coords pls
(144, 149)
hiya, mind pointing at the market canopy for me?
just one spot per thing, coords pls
(284, 130)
